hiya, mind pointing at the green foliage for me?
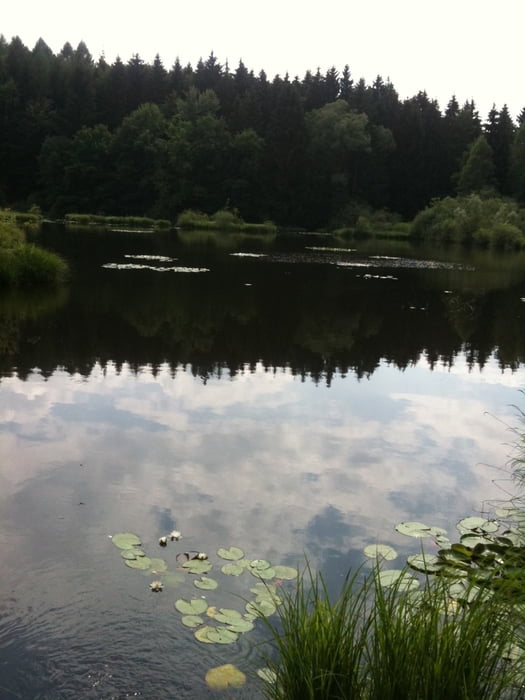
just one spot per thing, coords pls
(222, 220)
(25, 265)
(135, 222)
(385, 643)
(495, 221)
(478, 172)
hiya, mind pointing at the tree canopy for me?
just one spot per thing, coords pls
(78, 134)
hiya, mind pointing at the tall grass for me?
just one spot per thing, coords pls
(22, 264)
(377, 643)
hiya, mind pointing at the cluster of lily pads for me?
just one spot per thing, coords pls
(488, 552)
(212, 625)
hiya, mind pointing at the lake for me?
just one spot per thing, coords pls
(294, 396)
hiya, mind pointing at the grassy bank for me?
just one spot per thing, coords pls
(118, 222)
(23, 264)
(223, 220)
(386, 643)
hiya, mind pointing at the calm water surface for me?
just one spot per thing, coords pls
(292, 400)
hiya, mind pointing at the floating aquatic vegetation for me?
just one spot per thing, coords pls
(287, 573)
(156, 586)
(130, 554)
(398, 578)
(163, 541)
(380, 551)
(175, 535)
(201, 634)
(206, 584)
(195, 566)
(160, 258)
(172, 579)
(192, 620)
(416, 529)
(222, 635)
(330, 250)
(140, 563)
(227, 676)
(248, 255)
(378, 277)
(233, 553)
(126, 540)
(477, 525)
(426, 563)
(405, 263)
(158, 565)
(196, 606)
(261, 607)
(155, 268)
(232, 569)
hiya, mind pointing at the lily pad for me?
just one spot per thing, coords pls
(241, 626)
(158, 565)
(128, 554)
(192, 620)
(228, 616)
(227, 676)
(264, 573)
(196, 606)
(232, 553)
(232, 569)
(261, 607)
(141, 563)
(417, 529)
(259, 564)
(222, 635)
(201, 634)
(398, 578)
(126, 540)
(287, 573)
(427, 563)
(206, 584)
(173, 578)
(380, 551)
(477, 525)
(197, 566)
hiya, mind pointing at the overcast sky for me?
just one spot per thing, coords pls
(470, 48)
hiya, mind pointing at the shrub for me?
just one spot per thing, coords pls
(24, 265)
(507, 236)
(193, 219)
(11, 236)
(472, 219)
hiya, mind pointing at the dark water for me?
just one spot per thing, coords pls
(291, 400)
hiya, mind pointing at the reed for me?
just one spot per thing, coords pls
(377, 643)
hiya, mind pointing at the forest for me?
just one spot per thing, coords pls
(81, 135)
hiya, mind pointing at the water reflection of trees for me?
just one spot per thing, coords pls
(315, 326)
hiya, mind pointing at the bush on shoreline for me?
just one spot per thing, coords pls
(23, 264)
(131, 222)
(491, 221)
(222, 220)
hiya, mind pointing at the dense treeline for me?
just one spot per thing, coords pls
(137, 139)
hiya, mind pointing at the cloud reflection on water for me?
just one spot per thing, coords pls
(259, 458)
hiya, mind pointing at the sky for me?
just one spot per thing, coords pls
(470, 48)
